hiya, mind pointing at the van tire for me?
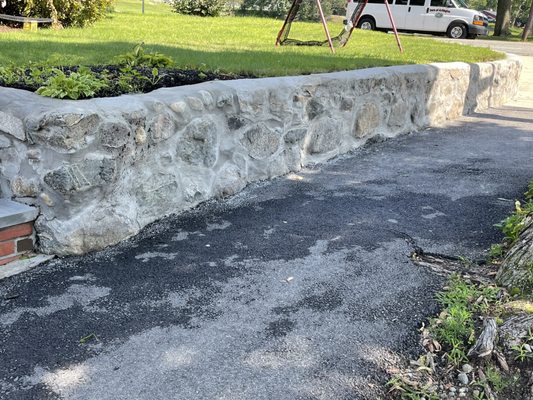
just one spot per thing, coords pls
(367, 23)
(457, 30)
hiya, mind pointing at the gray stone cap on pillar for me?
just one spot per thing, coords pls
(12, 213)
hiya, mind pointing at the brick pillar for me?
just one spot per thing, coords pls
(17, 236)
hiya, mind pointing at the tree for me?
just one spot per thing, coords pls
(503, 18)
(529, 24)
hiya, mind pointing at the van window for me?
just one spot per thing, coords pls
(400, 2)
(417, 2)
(379, 1)
(439, 3)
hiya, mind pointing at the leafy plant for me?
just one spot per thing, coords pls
(512, 225)
(80, 84)
(138, 57)
(496, 380)
(410, 390)
(454, 327)
(522, 352)
(496, 251)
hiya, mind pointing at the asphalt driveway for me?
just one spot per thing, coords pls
(299, 288)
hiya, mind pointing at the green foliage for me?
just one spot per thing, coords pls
(308, 10)
(408, 391)
(496, 251)
(68, 12)
(138, 57)
(522, 352)
(512, 225)
(237, 45)
(454, 328)
(202, 8)
(76, 85)
(497, 381)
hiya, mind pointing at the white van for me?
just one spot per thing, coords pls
(429, 16)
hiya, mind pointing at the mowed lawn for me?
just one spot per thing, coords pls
(228, 43)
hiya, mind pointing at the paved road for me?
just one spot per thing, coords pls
(300, 288)
(518, 48)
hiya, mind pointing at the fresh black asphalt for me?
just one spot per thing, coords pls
(298, 288)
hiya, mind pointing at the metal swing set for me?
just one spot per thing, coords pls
(341, 39)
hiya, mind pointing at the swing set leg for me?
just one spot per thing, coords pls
(328, 36)
(393, 26)
(278, 38)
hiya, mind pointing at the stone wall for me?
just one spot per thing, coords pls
(102, 169)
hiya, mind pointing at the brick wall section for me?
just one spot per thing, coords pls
(16, 241)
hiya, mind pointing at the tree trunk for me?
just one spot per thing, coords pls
(516, 270)
(53, 14)
(529, 24)
(503, 18)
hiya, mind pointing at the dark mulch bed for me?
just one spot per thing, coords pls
(140, 81)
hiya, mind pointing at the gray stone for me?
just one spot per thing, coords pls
(4, 142)
(195, 103)
(140, 135)
(347, 104)
(161, 127)
(66, 132)
(46, 199)
(207, 99)
(236, 122)
(229, 181)
(199, 143)
(367, 120)
(89, 230)
(314, 109)
(399, 115)
(467, 368)
(11, 125)
(225, 100)
(23, 187)
(114, 134)
(295, 135)
(182, 111)
(81, 176)
(261, 141)
(324, 135)
(155, 194)
(463, 378)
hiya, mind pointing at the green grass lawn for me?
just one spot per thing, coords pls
(229, 43)
(516, 35)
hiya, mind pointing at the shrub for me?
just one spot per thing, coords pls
(307, 12)
(202, 8)
(67, 12)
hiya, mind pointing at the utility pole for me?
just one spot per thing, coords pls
(143, 6)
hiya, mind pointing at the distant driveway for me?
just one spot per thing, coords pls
(518, 48)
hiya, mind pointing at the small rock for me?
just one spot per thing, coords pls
(462, 394)
(467, 368)
(462, 390)
(527, 347)
(463, 378)
(46, 199)
(476, 393)
(453, 389)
